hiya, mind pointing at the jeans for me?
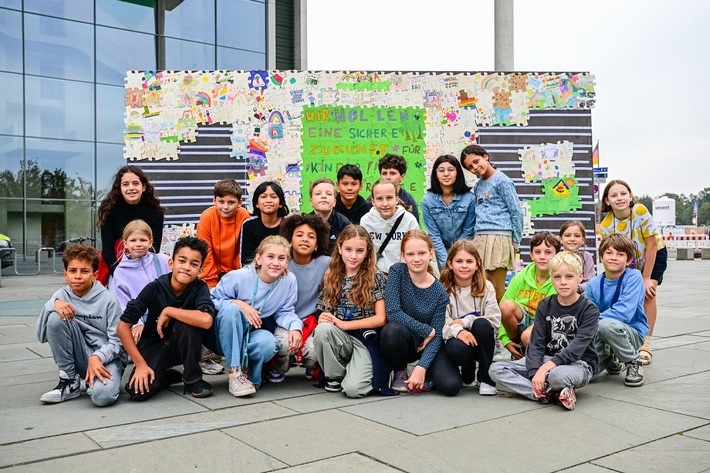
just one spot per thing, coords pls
(623, 341)
(466, 356)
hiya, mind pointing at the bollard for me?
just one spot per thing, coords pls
(684, 254)
(705, 253)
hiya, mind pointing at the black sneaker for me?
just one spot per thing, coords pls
(615, 367)
(199, 389)
(333, 385)
(65, 390)
(172, 377)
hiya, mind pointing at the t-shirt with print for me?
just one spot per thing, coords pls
(638, 226)
(349, 311)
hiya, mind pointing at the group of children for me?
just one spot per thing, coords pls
(356, 293)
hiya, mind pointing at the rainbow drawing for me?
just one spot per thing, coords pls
(276, 117)
(203, 98)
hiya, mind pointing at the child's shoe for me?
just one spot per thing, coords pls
(567, 398)
(276, 377)
(239, 384)
(485, 389)
(66, 389)
(615, 367)
(634, 374)
(399, 381)
(313, 373)
(333, 385)
(199, 389)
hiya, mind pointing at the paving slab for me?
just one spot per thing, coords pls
(325, 401)
(662, 455)
(16, 352)
(702, 433)
(705, 346)
(41, 449)
(682, 360)
(586, 468)
(661, 343)
(349, 462)
(10, 369)
(705, 333)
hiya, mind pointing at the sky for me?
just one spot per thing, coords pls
(651, 60)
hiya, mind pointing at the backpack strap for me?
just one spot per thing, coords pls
(389, 236)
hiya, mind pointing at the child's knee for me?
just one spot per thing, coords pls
(356, 388)
(104, 394)
(449, 387)
(525, 336)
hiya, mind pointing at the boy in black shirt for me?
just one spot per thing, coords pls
(349, 202)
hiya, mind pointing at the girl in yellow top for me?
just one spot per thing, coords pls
(635, 221)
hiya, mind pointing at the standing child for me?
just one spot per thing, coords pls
(252, 303)
(572, 235)
(352, 306)
(394, 168)
(270, 208)
(416, 310)
(525, 291)
(79, 322)
(322, 192)
(499, 219)
(349, 203)
(619, 294)
(561, 357)
(635, 221)
(472, 316)
(387, 222)
(448, 207)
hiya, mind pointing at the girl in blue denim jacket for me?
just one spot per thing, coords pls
(448, 207)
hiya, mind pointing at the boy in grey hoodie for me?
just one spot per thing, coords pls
(79, 322)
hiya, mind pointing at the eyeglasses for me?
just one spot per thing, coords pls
(450, 170)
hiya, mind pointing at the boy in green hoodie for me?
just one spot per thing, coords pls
(519, 303)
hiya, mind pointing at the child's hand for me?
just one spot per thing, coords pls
(456, 322)
(294, 341)
(326, 318)
(416, 379)
(64, 309)
(538, 383)
(142, 379)
(137, 331)
(163, 321)
(515, 349)
(96, 369)
(426, 341)
(650, 286)
(250, 313)
(467, 337)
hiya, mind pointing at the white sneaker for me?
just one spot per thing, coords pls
(208, 366)
(239, 385)
(65, 390)
(487, 390)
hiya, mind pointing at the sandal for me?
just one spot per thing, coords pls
(645, 355)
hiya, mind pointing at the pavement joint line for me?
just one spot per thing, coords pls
(377, 460)
(262, 451)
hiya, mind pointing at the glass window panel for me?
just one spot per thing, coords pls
(119, 51)
(110, 109)
(58, 48)
(131, 16)
(241, 24)
(236, 59)
(59, 109)
(185, 55)
(10, 41)
(11, 165)
(82, 10)
(11, 109)
(190, 19)
(17, 4)
(109, 158)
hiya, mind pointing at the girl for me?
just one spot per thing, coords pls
(499, 219)
(352, 305)
(472, 317)
(252, 303)
(270, 208)
(572, 235)
(387, 216)
(308, 235)
(137, 268)
(447, 207)
(635, 221)
(131, 197)
(416, 309)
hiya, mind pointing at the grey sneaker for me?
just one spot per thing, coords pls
(615, 367)
(399, 381)
(634, 374)
(239, 385)
(208, 366)
(65, 390)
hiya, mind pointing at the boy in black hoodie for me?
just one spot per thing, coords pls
(348, 202)
(180, 310)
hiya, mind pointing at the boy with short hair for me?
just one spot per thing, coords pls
(349, 202)
(322, 192)
(180, 310)
(619, 293)
(519, 302)
(79, 323)
(561, 356)
(394, 168)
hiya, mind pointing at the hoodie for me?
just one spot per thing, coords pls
(354, 213)
(378, 228)
(132, 275)
(97, 313)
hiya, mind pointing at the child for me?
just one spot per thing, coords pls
(635, 221)
(323, 202)
(394, 167)
(349, 203)
(270, 208)
(179, 312)
(131, 197)
(561, 356)
(137, 268)
(252, 303)
(79, 322)
(572, 235)
(525, 290)
(220, 227)
(619, 294)
(416, 310)
(499, 219)
(472, 316)
(308, 235)
(352, 306)
(387, 222)
(448, 207)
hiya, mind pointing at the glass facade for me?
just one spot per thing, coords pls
(62, 66)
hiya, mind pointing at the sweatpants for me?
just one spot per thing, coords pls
(398, 346)
(623, 341)
(467, 356)
(71, 354)
(344, 357)
(514, 376)
(283, 357)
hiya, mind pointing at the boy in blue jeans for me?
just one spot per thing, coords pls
(623, 326)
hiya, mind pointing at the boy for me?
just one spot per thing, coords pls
(561, 356)
(179, 312)
(526, 289)
(79, 322)
(322, 193)
(349, 203)
(619, 294)
(394, 168)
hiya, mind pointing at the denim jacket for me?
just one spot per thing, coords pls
(447, 224)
